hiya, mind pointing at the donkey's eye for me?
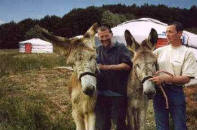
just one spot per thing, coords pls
(79, 56)
(137, 66)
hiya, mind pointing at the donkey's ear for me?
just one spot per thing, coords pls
(152, 39)
(91, 31)
(131, 43)
(59, 41)
(89, 37)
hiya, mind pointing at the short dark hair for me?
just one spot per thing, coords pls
(104, 27)
(178, 26)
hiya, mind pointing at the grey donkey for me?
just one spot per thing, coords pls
(140, 89)
(82, 56)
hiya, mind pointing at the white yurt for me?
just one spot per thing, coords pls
(35, 45)
(140, 29)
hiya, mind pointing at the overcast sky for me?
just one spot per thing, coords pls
(17, 10)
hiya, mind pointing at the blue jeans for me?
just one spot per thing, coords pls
(177, 108)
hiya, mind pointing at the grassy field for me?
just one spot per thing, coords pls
(34, 95)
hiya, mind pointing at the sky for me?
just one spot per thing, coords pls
(17, 10)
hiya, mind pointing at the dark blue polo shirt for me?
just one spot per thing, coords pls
(113, 82)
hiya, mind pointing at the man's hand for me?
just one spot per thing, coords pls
(158, 80)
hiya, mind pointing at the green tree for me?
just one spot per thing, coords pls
(51, 23)
(9, 35)
(112, 19)
(34, 32)
(77, 21)
(26, 24)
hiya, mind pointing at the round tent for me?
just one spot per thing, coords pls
(140, 29)
(35, 45)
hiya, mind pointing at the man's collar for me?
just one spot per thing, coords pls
(113, 45)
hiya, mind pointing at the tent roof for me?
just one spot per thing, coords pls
(145, 19)
(37, 42)
(140, 29)
(190, 39)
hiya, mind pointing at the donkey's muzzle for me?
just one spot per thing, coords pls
(149, 89)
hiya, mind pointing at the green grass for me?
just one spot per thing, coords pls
(12, 61)
(33, 95)
(35, 100)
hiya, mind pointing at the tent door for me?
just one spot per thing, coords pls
(28, 47)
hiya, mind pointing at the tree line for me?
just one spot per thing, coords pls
(78, 20)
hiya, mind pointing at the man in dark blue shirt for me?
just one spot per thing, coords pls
(114, 61)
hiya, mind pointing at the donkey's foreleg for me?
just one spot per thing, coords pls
(86, 122)
(91, 121)
(131, 118)
(142, 116)
(79, 121)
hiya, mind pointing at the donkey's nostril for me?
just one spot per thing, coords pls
(89, 91)
(150, 95)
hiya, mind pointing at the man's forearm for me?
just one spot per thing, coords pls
(122, 66)
(170, 79)
(180, 79)
(175, 79)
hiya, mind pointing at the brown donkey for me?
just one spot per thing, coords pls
(82, 55)
(139, 87)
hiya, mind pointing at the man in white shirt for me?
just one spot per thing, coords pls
(179, 61)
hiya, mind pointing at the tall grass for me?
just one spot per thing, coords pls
(11, 61)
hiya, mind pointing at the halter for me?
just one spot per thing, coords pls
(146, 78)
(86, 73)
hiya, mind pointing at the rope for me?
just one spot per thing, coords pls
(161, 87)
(165, 96)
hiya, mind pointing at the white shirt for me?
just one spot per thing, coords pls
(178, 61)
